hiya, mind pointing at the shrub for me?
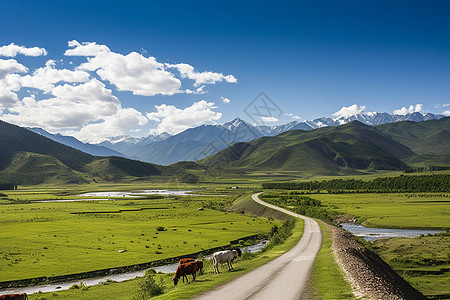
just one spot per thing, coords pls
(160, 228)
(149, 288)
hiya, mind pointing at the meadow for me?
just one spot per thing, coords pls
(60, 238)
(392, 210)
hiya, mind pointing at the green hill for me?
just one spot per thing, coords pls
(324, 151)
(29, 158)
(428, 137)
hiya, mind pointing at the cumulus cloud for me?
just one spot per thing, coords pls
(85, 49)
(133, 72)
(349, 111)
(410, 110)
(268, 119)
(72, 107)
(174, 120)
(8, 66)
(446, 113)
(187, 71)
(118, 124)
(76, 101)
(46, 77)
(13, 50)
(225, 100)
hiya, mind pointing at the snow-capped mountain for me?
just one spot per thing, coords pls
(123, 143)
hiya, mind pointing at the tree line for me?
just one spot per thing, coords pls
(417, 183)
(8, 186)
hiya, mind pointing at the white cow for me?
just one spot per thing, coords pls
(222, 257)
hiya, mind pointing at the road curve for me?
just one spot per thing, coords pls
(284, 277)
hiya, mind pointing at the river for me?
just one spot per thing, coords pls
(372, 234)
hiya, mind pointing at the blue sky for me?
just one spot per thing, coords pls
(312, 58)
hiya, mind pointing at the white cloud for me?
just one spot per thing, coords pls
(187, 71)
(446, 113)
(225, 100)
(410, 110)
(268, 119)
(10, 82)
(122, 121)
(174, 120)
(134, 72)
(12, 50)
(46, 77)
(8, 66)
(85, 49)
(446, 105)
(294, 117)
(72, 107)
(349, 111)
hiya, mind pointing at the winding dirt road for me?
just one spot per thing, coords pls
(283, 278)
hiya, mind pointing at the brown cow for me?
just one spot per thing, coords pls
(21, 296)
(186, 260)
(184, 270)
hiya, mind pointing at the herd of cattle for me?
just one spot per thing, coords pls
(187, 266)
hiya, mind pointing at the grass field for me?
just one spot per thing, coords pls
(48, 239)
(205, 282)
(424, 262)
(409, 210)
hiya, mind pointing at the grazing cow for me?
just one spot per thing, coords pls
(200, 266)
(222, 257)
(186, 260)
(21, 296)
(184, 270)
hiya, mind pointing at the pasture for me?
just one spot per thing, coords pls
(60, 238)
(392, 210)
(208, 280)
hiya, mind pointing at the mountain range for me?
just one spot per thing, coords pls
(202, 141)
(30, 158)
(341, 149)
(351, 148)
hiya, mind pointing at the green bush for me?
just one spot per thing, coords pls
(149, 288)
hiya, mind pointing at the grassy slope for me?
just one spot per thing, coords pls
(419, 261)
(323, 151)
(422, 137)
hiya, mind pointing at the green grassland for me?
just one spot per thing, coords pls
(206, 281)
(424, 262)
(47, 239)
(409, 210)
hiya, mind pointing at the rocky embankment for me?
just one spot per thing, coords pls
(368, 273)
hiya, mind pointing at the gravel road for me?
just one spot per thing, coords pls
(283, 278)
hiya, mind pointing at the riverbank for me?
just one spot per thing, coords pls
(367, 272)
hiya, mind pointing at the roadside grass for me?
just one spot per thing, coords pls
(327, 278)
(49, 239)
(391, 210)
(207, 281)
(423, 261)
